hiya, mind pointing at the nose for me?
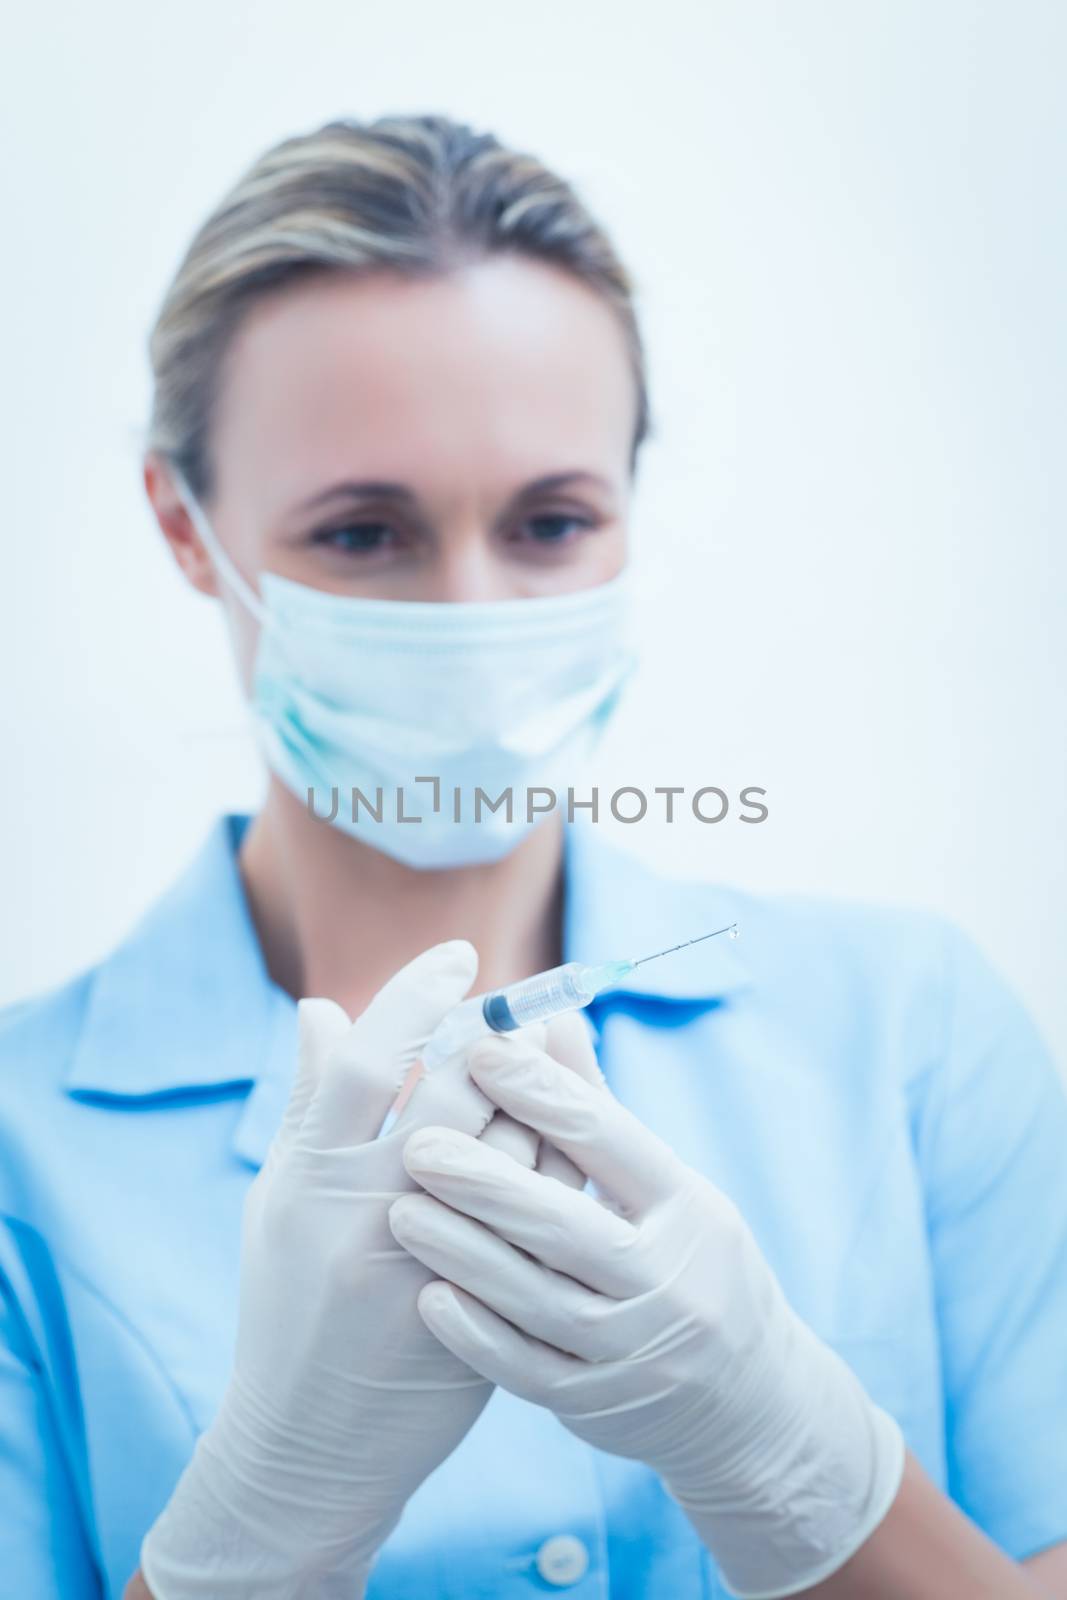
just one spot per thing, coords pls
(467, 569)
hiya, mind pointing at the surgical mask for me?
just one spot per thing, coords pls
(361, 704)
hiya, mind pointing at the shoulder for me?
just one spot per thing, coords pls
(901, 1013)
(915, 992)
(861, 933)
(779, 931)
(902, 986)
(792, 941)
(863, 953)
(815, 961)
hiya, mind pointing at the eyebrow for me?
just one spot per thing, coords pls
(384, 490)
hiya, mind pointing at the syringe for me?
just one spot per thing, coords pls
(536, 999)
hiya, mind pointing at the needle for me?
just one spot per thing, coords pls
(730, 928)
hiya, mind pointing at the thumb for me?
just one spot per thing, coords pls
(368, 1064)
(320, 1024)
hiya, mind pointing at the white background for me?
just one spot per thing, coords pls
(846, 219)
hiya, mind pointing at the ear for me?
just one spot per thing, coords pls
(177, 528)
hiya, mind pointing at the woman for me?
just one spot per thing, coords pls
(805, 1333)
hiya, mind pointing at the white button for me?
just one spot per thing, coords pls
(562, 1560)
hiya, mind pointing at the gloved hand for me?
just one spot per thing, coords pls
(651, 1325)
(341, 1401)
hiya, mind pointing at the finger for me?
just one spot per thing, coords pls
(552, 1163)
(568, 1039)
(493, 1348)
(545, 1304)
(515, 1139)
(512, 1139)
(407, 1008)
(320, 1024)
(605, 1140)
(450, 1096)
(365, 1069)
(446, 1097)
(567, 1230)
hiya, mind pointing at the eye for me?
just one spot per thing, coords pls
(556, 527)
(356, 538)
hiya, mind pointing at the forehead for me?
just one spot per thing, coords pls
(507, 360)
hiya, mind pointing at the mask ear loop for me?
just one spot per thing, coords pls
(241, 588)
(236, 580)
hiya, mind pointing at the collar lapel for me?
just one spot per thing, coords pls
(185, 1005)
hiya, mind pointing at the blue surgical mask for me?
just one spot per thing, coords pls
(383, 696)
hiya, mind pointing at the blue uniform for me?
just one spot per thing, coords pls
(859, 1080)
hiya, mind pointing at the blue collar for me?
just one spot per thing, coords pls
(185, 1004)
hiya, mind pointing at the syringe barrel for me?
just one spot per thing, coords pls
(536, 999)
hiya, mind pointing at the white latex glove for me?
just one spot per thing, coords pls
(653, 1327)
(341, 1401)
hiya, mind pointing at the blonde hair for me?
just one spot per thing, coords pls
(416, 194)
